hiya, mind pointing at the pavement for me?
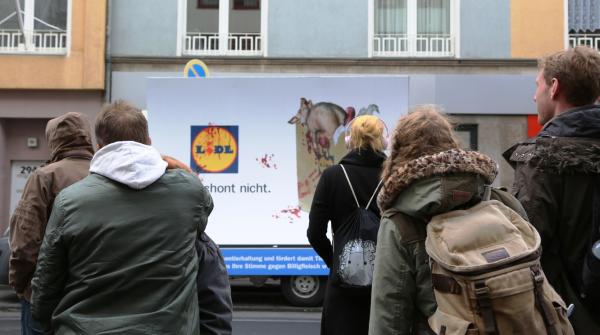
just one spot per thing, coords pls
(257, 311)
(9, 303)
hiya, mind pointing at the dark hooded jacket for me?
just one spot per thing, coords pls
(345, 310)
(403, 297)
(71, 151)
(555, 176)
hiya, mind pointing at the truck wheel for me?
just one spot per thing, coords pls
(304, 291)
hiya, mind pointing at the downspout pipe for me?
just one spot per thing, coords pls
(107, 57)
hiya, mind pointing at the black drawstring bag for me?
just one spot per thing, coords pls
(354, 245)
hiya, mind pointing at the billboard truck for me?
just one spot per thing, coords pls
(260, 145)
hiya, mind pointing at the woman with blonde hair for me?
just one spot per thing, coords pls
(426, 174)
(346, 309)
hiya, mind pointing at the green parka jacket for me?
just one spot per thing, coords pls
(119, 256)
(403, 297)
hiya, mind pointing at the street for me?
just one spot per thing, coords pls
(257, 311)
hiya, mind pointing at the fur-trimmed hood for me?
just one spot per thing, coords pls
(568, 144)
(558, 155)
(451, 162)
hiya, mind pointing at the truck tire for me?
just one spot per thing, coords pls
(304, 291)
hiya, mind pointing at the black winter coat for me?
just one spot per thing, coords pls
(554, 180)
(345, 311)
(214, 292)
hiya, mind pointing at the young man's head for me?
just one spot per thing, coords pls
(567, 79)
(121, 121)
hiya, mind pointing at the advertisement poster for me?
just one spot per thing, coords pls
(259, 146)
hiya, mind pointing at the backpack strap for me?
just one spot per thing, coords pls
(350, 184)
(484, 304)
(354, 194)
(538, 281)
(487, 192)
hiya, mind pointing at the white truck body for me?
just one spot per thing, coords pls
(259, 218)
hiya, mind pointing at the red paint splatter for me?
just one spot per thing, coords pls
(266, 161)
(291, 213)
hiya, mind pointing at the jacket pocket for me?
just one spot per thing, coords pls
(446, 324)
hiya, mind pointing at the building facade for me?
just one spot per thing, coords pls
(489, 47)
(53, 65)
(477, 58)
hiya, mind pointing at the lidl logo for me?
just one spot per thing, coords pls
(214, 149)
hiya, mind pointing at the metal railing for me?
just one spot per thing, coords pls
(207, 44)
(590, 40)
(423, 45)
(52, 42)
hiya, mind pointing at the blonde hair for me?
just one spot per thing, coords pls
(366, 132)
(425, 130)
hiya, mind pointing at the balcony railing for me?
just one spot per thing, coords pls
(207, 44)
(53, 42)
(400, 45)
(590, 40)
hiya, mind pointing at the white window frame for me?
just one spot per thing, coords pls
(29, 31)
(411, 21)
(223, 32)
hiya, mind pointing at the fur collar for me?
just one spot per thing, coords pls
(443, 163)
(559, 155)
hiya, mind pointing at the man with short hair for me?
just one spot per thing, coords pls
(119, 251)
(70, 143)
(558, 172)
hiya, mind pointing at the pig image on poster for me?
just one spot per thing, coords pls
(320, 129)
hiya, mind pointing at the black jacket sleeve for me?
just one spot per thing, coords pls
(214, 291)
(320, 214)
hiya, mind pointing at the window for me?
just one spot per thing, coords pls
(225, 31)
(246, 4)
(584, 23)
(468, 136)
(35, 26)
(210, 4)
(413, 28)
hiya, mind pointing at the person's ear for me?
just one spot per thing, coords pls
(554, 88)
(149, 141)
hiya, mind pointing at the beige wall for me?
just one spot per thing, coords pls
(537, 27)
(82, 68)
(24, 114)
(497, 133)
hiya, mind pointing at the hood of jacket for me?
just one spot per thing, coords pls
(569, 143)
(578, 122)
(131, 163)
(437, 183)
(364, 157)
(69, 135)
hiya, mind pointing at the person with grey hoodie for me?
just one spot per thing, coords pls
(119, 254)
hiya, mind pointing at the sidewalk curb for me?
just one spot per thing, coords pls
(253, 308)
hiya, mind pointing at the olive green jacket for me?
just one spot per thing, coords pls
(120, 258)
(403, 297)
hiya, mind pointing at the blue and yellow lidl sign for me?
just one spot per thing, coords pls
(214, 149)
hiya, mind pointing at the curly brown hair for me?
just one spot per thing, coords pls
(425, 130)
